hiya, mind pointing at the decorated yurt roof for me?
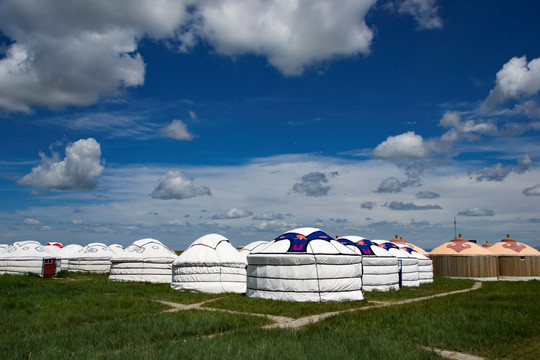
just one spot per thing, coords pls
(393, 249)
(146, 249)
(31, 249)
(460, 246)
(364, 246)
(305, 240)
(414, 253)
(54, 243)
(95, 250)
(400, 242)
(509, 246)
(26, 242)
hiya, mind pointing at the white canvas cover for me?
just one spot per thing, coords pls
(252, 246)
(94, 258)
(24, 257)
(117, 248)
(379, 267)
(55, 250)
(425, 265)
(146, 260)
(409, 263)
(210, 265)
(305, 264)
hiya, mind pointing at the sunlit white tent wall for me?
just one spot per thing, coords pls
(68, 252)
(305, 264)
(146, 260)
(94, 257)
(246, 250)
(425, 265)
(409, 263)
(379, 268)
(211, 265)
(24, 257)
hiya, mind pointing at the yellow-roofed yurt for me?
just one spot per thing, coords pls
(517, 261)
(460, 258)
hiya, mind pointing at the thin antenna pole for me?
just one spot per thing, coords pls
(455, 227)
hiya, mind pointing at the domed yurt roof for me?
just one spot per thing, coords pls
(460, 246)
(364, 246)
(305, 264)
(252, 246)
(26, 242)
(54, 243)
(400, 242)
(510, 246)
(24, 257)
(212, 265)
(147, 249)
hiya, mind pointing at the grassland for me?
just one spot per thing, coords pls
(88, 317)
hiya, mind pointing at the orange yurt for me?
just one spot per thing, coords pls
(517, 261)
(460, 258)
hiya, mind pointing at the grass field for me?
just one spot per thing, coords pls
(88, 317)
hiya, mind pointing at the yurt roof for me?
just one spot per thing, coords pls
(365, 247)
(413, 252)
(510, 246)
(252, 246)
(28, 250)
(211, 249)
(95, 250)
(26, 242)
(305, 240)
(393, 249)
(400, 242)
(460, 246)
(146, 249)
(54, 243)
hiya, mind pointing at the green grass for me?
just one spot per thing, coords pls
(88, 317)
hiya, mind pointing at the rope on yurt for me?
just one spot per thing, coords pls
(318, 278)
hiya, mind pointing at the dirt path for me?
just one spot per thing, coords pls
(284, 322)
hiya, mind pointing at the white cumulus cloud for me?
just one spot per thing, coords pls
(405, 146)
(177, 130)
(425, 12)
(175, 185)
(77, 171)
(517, 79)
(532, 191)
(232, 214)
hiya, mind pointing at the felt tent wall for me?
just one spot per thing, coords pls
(409, 263)
(94, 257)
(211, 265)
(146, 260)
(24, 257)
(305, 264)
(425, 265)
(379, 267)
(68, 252)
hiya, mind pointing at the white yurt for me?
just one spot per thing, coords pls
(210, 265)
(252, 246)
(409, 263)
(425, 265)
(94, 258)
(68, 252)
(28, 257)
(146, 260)
(379, 267)
(117, 248)
(305, 264)
(55, 249)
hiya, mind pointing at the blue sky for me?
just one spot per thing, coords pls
(174, 119)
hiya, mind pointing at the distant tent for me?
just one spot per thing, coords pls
(517, 260)
(425, 265)
(409, 263)
(55, 250)
(210, 265)
(117, 248)
(68, 252)
(460, 258)
(26, 257)
(252, 246)
(305, 264)
(146, 260)
(400, 242)
(379, 267)
(94, 258)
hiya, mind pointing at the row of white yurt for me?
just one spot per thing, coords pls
(93, 258)
(146, 260)
(304, 264)
(408, 262)
(380, 268)
(25, 257)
